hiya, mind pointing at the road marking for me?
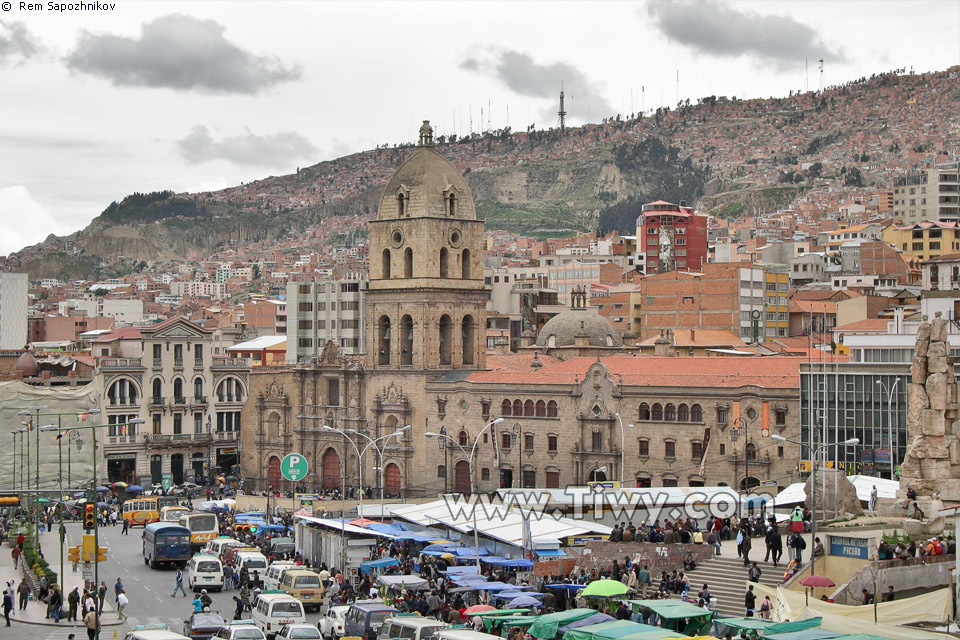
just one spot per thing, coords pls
(158, 598)
(147, 588)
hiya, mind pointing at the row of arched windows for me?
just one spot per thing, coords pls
(229, 390)
(445, 327)
(529, 408)
(445, 272)
(449, 204)
(671, 413)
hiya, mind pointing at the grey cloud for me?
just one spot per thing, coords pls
(714, 28)
(525, 76)
(16, 43)
(277, 150)
(178, 52)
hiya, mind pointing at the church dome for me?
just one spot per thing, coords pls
(562, 329)
(27, 364)
(426, 185)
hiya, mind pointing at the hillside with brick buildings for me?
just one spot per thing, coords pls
(728, 157)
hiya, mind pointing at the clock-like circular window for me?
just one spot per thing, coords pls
(456, 239)
(396, 237)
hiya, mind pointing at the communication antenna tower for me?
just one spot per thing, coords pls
(562, 113)
(821, 75)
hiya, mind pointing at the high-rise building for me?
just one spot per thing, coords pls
(931, 195)
(670, 237)
(325, 310)
(13, 311)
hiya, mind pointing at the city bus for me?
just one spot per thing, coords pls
(172, 514)
(166, 543)
(146, 509)
(202, 526)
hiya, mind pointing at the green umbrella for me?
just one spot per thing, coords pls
(43, 500)
(605, 589)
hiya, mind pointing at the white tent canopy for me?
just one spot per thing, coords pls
(795, 494)
(414, 583)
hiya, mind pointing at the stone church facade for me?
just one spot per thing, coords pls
(426, 366)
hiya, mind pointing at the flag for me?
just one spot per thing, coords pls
(82, 417)
(527, 539)
(703, 452)
(496, 445)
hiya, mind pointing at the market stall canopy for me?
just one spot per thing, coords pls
(607, 630)
(525, 601)
(411, 582)
(596, 618)
(546, 625)
(605, 589)
(383, 563)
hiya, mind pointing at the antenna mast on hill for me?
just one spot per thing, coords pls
(562, 113)
(806, 73)
(821, 75)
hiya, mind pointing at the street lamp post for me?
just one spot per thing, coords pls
(813, 487)
(96, 521)
(327, 427)
(623, 442)
(473, 450)
(372, 443)
(79, 441)
(889, 393)
(53, 427)
(209, 450)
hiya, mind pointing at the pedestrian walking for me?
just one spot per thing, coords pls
(643, 579)
(126, 527)
(16, 553)
(90, 622)
(73, 601)
(23, 590)
(238, 614)
(56, 603)
(122, 603)
(117, 590)
(745, 546)
(7, 605)
(750, 601)
(179, 585)
(872, 504)
(102, 595)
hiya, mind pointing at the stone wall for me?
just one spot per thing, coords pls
(658, 557)
(904, 575)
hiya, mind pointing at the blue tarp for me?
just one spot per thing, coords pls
(491, 586)
(367, 567)
(596, 618)
(550, 553)
(508, 562)
(461, 569)
(571, 587)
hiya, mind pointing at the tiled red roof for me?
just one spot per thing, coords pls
(774, 372)
(123, 333)
(873, 325)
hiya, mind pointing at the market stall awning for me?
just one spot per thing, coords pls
(607, 630)
(546, 625)
(382, 563)
(414, 583)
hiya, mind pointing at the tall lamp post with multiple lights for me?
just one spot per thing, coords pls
(372, 443)
(623, 443)
(469, 457)
(813, 485)
(96, 528)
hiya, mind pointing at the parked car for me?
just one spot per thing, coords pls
(242, 630)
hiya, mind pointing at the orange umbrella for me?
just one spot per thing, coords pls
(478, 608)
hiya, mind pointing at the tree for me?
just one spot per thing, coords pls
(853, 178)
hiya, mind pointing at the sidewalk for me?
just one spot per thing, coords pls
(36, 612)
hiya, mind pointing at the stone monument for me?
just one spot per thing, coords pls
(931, 465)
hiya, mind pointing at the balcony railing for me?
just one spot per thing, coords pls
(225, 362)
(128, 439)
(198, 364)
(123, 401)
(227, 435)
(179, 438)
(155, 401)
(178, 363)
(119, 363)
(230, 398)
(200, 400)
(158, 363)
(178, 400)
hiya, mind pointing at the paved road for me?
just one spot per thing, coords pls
(148, 589)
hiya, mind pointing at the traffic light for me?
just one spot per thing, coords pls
(89, 517)
(73, 553)
(101, 554)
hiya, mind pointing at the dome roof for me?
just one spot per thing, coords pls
(426, 181)
(564, 328)
(27, 364)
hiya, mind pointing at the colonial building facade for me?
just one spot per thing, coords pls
(577, 404)
(189, 398)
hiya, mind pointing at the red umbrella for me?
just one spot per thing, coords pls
(817, 581)
(478, 608)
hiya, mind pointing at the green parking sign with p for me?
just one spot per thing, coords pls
(293, 467)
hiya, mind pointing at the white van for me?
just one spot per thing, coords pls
(273, 610)
(205, 571)
(219, 544)
(409, 627)
(155, 631)
(274, 574)
(463, 634)
(256, 565)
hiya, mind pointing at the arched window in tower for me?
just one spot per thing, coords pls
(452, 205)
(385, 264)
(157, 386)
(384, 331)
(401, 205)
(408, 263)
(444, 263)
(468, 339)
(406, 340)
(518, 407)
(465, 264)
(506, 408)
(446, 340)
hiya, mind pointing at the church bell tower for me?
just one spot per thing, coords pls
(426, 306)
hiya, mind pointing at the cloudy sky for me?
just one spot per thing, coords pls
(189, 96)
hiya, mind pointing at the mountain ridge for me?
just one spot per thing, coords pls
(727, 156)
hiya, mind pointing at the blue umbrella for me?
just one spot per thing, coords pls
(102, 488)
(134, 487)
(523, 601)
